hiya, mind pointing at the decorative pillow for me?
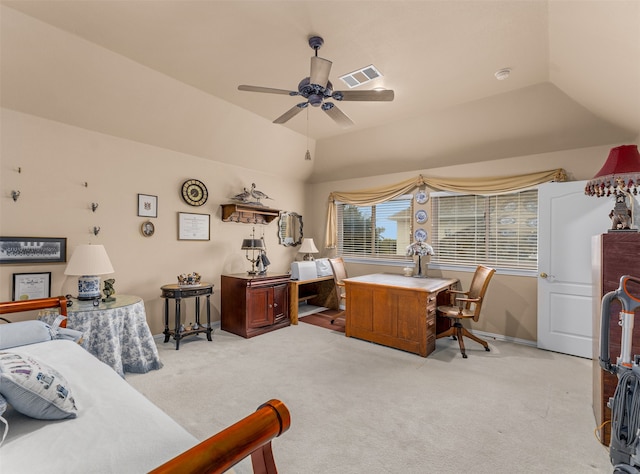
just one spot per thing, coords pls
(5, 430)
(35, 389)
(24, 332)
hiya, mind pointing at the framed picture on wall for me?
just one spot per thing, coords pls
(193, 226)
(33, 250)
(29, 286)
(147, 205)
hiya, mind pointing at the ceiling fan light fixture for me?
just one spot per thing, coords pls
(361, 76)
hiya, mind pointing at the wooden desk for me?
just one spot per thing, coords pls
(319, 292)
(394, 310)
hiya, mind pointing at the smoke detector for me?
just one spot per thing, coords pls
(502, 74)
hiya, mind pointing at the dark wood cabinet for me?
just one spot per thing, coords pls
(614, 254)
(254, 304)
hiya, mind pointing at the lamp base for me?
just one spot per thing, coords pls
(88, 287)
(308, 257)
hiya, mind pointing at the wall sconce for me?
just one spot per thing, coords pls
(15, 195)
(94, 206)
(96, 230)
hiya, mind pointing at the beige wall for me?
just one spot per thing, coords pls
(56, 159)
(511, 306)
(46, 69)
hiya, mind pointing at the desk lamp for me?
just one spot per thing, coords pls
(307, 248)
(88, 262)
(619, 177)
(255, 245)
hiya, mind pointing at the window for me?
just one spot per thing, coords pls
(500, 231)
(380, 231)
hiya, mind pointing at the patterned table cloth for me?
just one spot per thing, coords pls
(117, 333)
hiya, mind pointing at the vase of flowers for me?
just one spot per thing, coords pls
(421, 249)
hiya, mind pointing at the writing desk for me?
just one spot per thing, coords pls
(394, 310)
(317, 291)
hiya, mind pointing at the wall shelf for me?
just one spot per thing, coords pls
(248, 214)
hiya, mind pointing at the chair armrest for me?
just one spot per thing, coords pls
(452, 295)
(469, 300)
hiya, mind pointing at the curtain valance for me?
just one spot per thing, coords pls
(489, 185)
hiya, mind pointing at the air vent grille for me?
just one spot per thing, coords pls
(361, 76)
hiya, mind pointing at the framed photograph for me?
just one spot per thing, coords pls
(193, 226)
(147, 205)
(147, 228)
(32, 250)
(29, 286)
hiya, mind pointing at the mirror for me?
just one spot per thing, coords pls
(290, 229)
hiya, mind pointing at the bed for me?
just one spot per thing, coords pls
(112, 428)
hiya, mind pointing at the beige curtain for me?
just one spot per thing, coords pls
(490, 185)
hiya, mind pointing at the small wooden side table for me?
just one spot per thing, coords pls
(178, 292)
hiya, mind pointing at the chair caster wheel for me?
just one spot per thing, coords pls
(464, 356)
(487, 349)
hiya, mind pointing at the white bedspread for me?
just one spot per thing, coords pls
(117, 429)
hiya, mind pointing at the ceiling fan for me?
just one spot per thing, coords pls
(317, 89)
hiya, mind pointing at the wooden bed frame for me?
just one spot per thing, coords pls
(59, 302)
(251, 435)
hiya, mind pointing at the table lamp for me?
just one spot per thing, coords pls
(619, 177)
(307, 248)
(255, 245)
(88, 262)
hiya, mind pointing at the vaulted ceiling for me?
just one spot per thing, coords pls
(574, 82)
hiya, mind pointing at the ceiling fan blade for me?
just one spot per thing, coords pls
(268, 90)
(372, 95)
(337, 115)
(320, 69)
(292, 112)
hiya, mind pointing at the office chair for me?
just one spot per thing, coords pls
(339, 274)
(466, 305)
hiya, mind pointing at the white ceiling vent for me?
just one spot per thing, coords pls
(361, 76)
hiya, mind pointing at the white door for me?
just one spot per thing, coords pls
(567, 220)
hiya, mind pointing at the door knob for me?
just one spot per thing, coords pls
(543, 275)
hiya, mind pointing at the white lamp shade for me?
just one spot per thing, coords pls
(89, 260)
(308, 246)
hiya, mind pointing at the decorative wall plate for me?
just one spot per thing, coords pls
(420, 235)
(194, 192)
(421, 197)
(421, 216)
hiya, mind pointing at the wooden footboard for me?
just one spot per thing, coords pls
(250, 436)
(39, 303)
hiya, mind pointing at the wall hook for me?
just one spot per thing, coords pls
(96, 230)
(19, 169)
(94, 206)
(15, 195)
(86, 185)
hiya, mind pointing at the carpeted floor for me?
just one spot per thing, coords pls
(358, 407)
(323, 320)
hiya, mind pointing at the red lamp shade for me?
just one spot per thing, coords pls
(622, 169)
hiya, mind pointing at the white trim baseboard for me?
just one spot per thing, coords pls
(501, 337)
